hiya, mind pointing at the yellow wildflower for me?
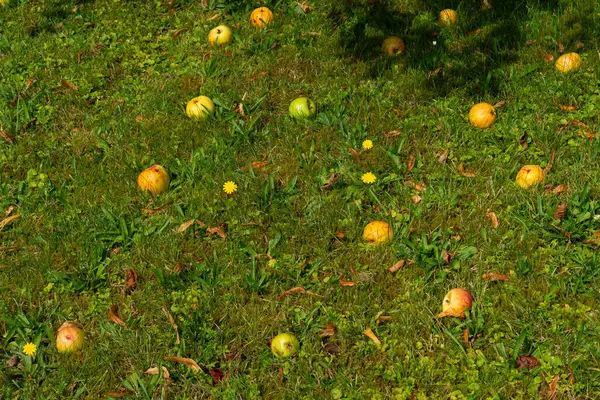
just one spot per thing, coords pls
(229, 187)
(368, 178)
(367, 144)
(29, 349)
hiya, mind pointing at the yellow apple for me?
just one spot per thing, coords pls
(377, 232)
(530, 176)
(154, 179)
(568, 62)
(482, 115)
(69, 337)
(448, 17)
(221, 36)
(392, 46)
(200, 108)
(261, 16)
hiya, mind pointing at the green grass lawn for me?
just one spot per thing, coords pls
(94, 92)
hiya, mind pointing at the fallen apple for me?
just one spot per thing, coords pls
(456, 302)
(154, 179)
(530, 176)
(69, 337)
(482, 115)
(284, 345)
(377, 232)
(568, 62)
(392, 46)
(302, 108)
(448, 17)
(220, 36)
(200, 108)
(261, 16)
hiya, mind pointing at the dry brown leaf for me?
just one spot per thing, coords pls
(564, 231)
(122, 392)
(66, 84)
(8, 220)
(347, 283)
(218, 231)
(588, 135)
(492, 217)
(392, 133)
(304, 7)
(8, 211)
(493, 276)
(334, 177)
(332, 348)
(13, 361)
(296, 290)
(559, 189)
(6, 136)
(179, 32)
(466, 336)
(155, 371)
(550, 163)
(579, 45)
(410, 164)
(552, 388)
(548, 58)
(419, 187)
(381, 319)
(256, 165)
(591, 241)
(369, 333)
(214, 17)
(446, 256)
(172, 322)
(257, 76)
(397, 266)
(355, 154)
(569, 108)
(561, 47)
(183, 227)
(132, 279)
(523, 140)
(114, 317)
(461, 170)
(528, 362)
(340, 234)
(154, 211)
(561, 211)
(329, 330)
(416, 199)
(443, 157)
(185, 361)
(500, 104)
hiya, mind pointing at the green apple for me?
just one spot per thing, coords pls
(302, 108)
(284, 345)
(220, 36)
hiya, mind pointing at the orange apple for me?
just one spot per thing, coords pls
(456, 302)
(392, 46)
(530, 176)
(482, 115)
(377, 232)
(261, 16)
(69, 337)
(220, 36)
(200, 108)
(154, 179)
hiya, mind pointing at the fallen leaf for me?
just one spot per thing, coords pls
(461, 170)
(334, 177)
(256, 165)
(419, 187)
(369, 333)
(347, 283)
(183, 227)
(528, 362)
(155, 371)
(492, 217)
(66, 84)
(132, 279)
(6, 136)
(561, 211)
(259, 75)
(340, 234)
(579, 45)
(8, 220)
(122, 392)
(397, 266)
(329, 330)
(446, 256)
(523, 140)
(410, 164)
(332, 348)
(172, 322)
(443, 157)
(355, 154)
(550, 163)
(548, 58)
(466, 336)
(114, 317)
(493, 276)
(500, 104)
(154, 211)
(564, 231)
(218, 231)
(392, 133)
(561, 47)
(179, 32)
(239, 109)
(13, 361)
(559, 189)
(185, 361)
(214, 17)
(304, 7)
(416, 199)
(552, 387)
(296, 290)
(588, 135)
(383, 319)
(569, 108)
(8, 211)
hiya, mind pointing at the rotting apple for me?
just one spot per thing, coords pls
(448, 17)
(154, 179)
(220, 36)
(285, 345)
(69, 337)
(200, 108)
(261, 16)
(392, 46)
(530, 176)
(302, 108)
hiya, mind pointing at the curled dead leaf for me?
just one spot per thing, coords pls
(296, 290)
(329, 330)
(332, 179)
(382, 319)
(588, 135)
(155, 371)
(256, 165)
(6, 136)
(173, 324)
(114, 317)
(493, 276)
(369, 333)
(66, 84)
(443, 157)
(183, 227)
(461, 171)
(397, 266)
(561, 211)
(304, 7)
(217, 231)
(550, 163)
(569, 108)
(154, 211)
(9, 210)
(185, 361)
(132, 279)
(214, 17)
(419, 187)
(446, 256)
(579, 45)
(500, 104)
(561, 47)
(528, 362)
(392, 133)
(355, 154)
(416, 199)
(410, 164)
(492, 217)
(347, 283)
(552, 387)
(8, 220)
(217, 375)
(122, 392)
(523, 140)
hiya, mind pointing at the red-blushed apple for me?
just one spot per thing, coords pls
(220, 36)
(200, 108)
(154, 179)
(284, 345)
(455, 303)
(302, 108)
(69, 337)
(392, 46)
(530, 176)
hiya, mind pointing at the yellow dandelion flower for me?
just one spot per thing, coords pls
(368, 178)
(229, 187)
(29, 349)
(367, 144)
